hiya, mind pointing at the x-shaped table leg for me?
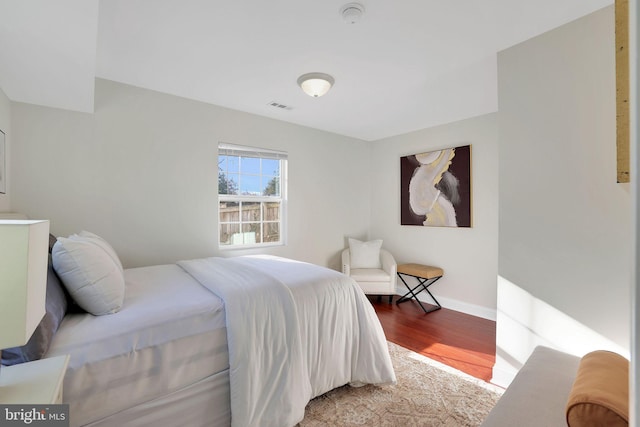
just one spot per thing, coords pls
(422, 283)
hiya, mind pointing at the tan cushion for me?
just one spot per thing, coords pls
(419, 270)
(600, 392)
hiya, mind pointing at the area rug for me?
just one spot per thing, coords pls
(428, 393)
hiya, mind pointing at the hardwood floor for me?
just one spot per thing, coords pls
(462, 341)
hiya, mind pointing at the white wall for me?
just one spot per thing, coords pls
(564, 249)
(5, 126)
(142, 172)
(467, 255)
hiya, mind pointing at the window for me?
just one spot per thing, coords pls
(251, 196)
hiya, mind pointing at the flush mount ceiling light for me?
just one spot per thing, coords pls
(352, 12)
(315, 84)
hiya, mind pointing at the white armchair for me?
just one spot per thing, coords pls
(373, 281)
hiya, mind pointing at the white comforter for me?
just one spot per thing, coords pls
(295, 331)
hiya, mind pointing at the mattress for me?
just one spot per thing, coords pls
(169, 334)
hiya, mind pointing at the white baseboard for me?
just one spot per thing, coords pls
(468, 308)
(502, 377)
(454, 304)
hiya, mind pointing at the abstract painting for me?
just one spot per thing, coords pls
(435, 188)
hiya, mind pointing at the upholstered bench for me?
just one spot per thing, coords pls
(558, 389)
(426, 275)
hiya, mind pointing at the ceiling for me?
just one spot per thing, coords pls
(407, 65)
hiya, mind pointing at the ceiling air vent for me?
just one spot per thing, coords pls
(278, 105)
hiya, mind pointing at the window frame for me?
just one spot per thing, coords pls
(226, 149)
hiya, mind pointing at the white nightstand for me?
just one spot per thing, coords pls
(38, 382)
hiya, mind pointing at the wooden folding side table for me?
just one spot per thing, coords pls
(427, 275)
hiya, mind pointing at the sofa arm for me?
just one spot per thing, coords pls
(538, 394)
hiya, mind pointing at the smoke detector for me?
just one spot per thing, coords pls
(352, 12)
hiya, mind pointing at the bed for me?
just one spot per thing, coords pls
(242, 341)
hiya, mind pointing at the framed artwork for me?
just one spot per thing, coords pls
(435, 188)
(622, 90)
(3, 165)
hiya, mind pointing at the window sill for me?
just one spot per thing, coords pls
(249, 247)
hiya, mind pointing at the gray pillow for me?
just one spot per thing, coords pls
(56, 308)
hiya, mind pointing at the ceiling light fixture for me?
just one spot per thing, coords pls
(352, 12)
(315, 84)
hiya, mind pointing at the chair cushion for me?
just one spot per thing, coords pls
(370, 275)
(365, 254)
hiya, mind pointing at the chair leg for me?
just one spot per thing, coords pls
(390, 298)
(379, 298)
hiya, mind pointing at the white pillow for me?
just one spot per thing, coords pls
(90, 275)
(365, 254)
(100, 242)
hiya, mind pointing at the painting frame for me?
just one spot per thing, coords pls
(623, 163)
(435, 188)
(3, 164)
